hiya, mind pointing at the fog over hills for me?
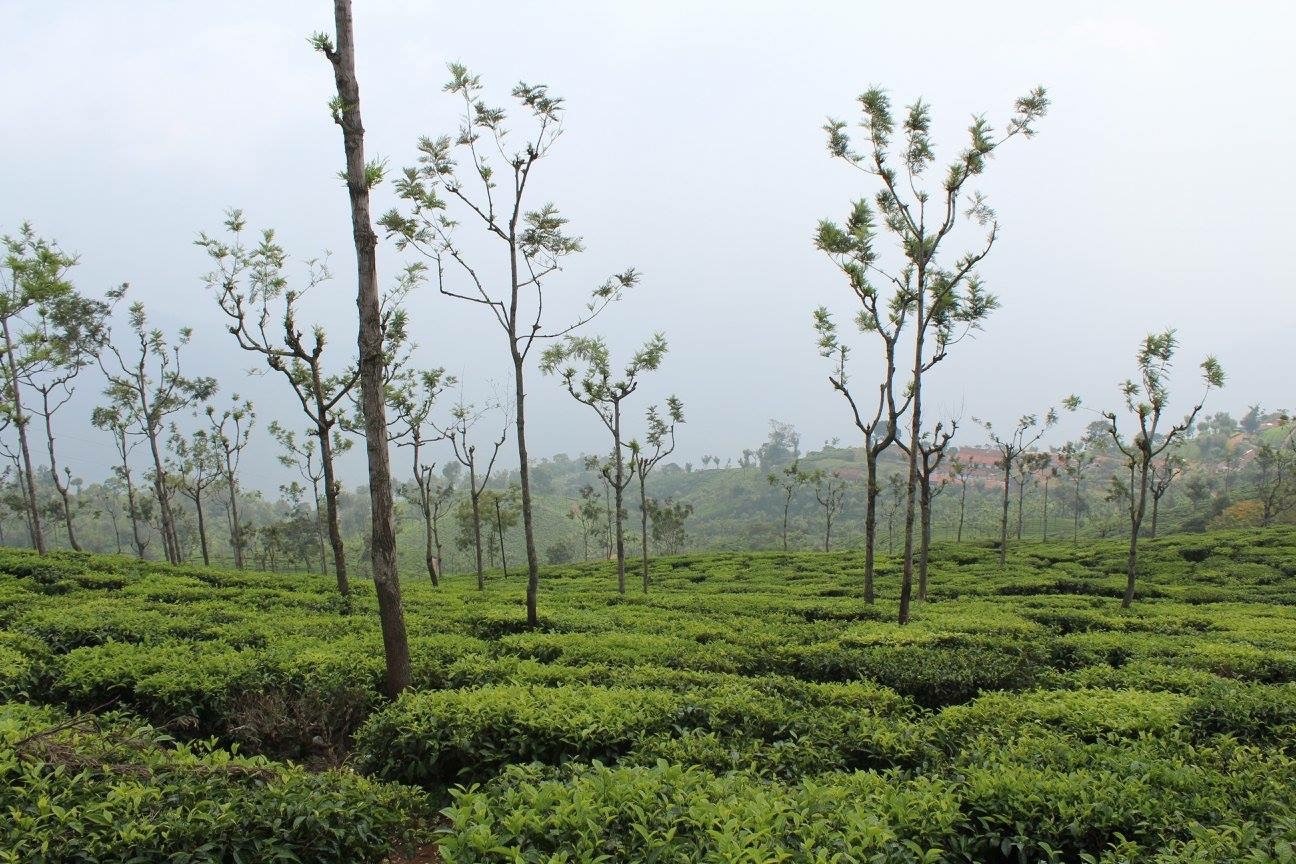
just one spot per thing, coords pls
(693, 151)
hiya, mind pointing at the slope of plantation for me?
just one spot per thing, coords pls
(749, 708)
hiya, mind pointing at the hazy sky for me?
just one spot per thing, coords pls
(1157, 193)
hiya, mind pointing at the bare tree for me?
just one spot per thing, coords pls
(304, 456)
(534, 241)
(961, 473)
(659, 443)
(931, 455)
(604, 392)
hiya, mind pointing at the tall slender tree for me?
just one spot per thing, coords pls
(534, 241)
(33, 287)
(195, 467)
(412, 397)
(659, 443)
(595, 384)
(942, 298)
(463, 420)
(852, 250)
(931, 456)
(1012, 447)
(1077, 458)
(147, 382)
(361, 176)
(304, 456)
(1146, 400)
(961, 473)
(252, 289)
(230, 432)
(788, 480)
(830, 492)
(110, 419)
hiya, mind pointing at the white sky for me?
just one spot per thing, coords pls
(1155, 194)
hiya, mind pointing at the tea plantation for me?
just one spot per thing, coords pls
(750, 709)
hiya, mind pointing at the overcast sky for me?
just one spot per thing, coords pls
(1157, 193)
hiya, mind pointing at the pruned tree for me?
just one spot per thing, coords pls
(1146, 399)
(944, 298)
(504, 506)
(1029, 466)
(1012, 447)
(534, 241)
(361, 177)
(603, 470)
(253, 291)
(788, 481)
(463, 420)
(146, 381)
(230, 432)
(830, 492)
(852, 250)
(412, 397)
(659, 442)
(585, 367)
(196, 465)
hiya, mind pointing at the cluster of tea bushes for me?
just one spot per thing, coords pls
(751, 707)
(108, 789)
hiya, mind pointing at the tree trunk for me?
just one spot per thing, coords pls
(1075, 518)
(236, 527)
(870, 524)
(499, 530)
(915, 442)
(331, 490)
(1021, 508)
(958, 538)
(643, 519)
(925, 537)
(20, 420)
(391, 611)
(428, 553)
(319, 527)
(620, 485)
(1137, 511)
(202, 527)
(1156, 505)
(475, 498)
(787, 503)
(1046, 485)
(1003, 522)
(524, 480)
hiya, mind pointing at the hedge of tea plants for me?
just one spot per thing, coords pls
(750, 707)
